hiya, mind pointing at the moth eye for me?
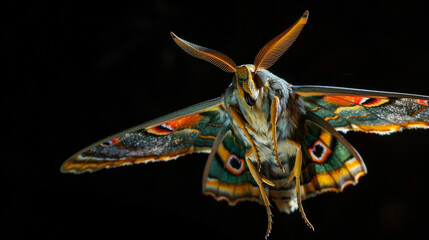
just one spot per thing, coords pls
(234, 81)
(249, 100)
(260, 79)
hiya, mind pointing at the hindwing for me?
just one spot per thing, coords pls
(226, 176)
(330, 163)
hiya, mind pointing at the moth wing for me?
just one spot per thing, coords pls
(366, 110)
(186, 131)
(330, 163)
(226, 175)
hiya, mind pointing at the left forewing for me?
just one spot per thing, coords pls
(189, 130)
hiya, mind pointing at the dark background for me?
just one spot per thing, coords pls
(77, 72)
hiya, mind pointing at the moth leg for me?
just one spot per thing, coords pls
(273, 121)
(259, 180)
(267, 181)
(242, 126)
(296, 173)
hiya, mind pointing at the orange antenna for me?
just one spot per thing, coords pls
(219, 59)
(275, 48)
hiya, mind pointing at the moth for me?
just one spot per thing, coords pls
(268, 141)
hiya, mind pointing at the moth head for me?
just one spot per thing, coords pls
(249, 83)
(247, 78)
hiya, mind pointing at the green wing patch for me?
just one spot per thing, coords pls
(227, 176)
(330, 163)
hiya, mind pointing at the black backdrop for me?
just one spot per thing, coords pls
(77, 72)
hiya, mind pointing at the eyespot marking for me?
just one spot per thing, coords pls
(110, 143)
(319, 152)
(423, 102)
(235, 165)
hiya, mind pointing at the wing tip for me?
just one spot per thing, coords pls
(69, 167)
(306, 14)
(174, 36)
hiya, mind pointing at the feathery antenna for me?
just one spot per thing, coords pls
(217, 58)
(275, 48)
